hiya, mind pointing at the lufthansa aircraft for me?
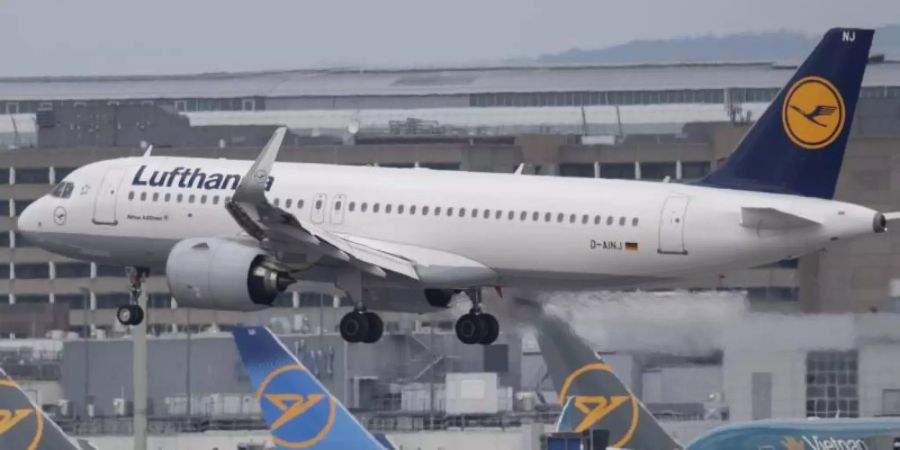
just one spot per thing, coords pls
(233, 234)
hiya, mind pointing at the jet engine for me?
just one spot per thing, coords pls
(217, 273)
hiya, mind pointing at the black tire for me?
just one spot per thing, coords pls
(490, 329)
(468, 329)
(138, 315)
(376, 328)
(439, 298)
(354, 327)
(125, 314)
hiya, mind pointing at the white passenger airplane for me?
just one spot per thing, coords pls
(405, 239)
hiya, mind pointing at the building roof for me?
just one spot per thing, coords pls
(418, 82)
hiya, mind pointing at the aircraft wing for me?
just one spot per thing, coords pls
(285, 234)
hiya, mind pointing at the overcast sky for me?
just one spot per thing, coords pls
(72, 37)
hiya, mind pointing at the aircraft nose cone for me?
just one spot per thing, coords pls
(30, 222)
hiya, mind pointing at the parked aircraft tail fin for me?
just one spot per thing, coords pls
(23, 425)
(797, 146)
(594, 396)
(300, 412)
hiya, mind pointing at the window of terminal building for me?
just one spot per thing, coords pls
(5, 241)
(621, 171)
(36, 175)
(20, 241)
(73, 301)
(284, 300)
(692, 170)
(658, 170)
(159, 301)
(32, 299)
(314, 300)
(112, 300)
(73, 270)
(4, 208)
(62, 172)
(832, 384)
(12, 107)
(31, 271)
(106, 270)
(5, 272)
(4, 175)
(582, 170)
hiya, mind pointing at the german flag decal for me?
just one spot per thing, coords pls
(631, 246)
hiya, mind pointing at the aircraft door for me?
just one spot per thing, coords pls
(671, 226)
(105, 201)
(320, 204)
(337, 209)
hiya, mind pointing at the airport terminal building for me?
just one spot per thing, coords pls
(659, 123)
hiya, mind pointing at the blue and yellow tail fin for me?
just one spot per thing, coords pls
(300, 412)
(797, 146)
(23, 426)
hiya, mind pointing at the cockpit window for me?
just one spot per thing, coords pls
(63, 190)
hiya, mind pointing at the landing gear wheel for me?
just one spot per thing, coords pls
(376, 328)
(489, 327)
(354, 327)
(130, 315)
(468, 329)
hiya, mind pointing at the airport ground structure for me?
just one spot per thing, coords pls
(809, 337)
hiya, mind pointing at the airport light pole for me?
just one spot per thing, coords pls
(86, 305)
(139, 367)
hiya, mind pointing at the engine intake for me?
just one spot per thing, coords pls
(217, 273)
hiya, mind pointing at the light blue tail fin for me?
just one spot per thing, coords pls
(23, 426)
(300, 412)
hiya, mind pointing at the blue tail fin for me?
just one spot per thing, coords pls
(23, 425)
(797, 146)
(300, 412)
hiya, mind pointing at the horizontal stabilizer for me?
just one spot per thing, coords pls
(774, 219)
(891, 216)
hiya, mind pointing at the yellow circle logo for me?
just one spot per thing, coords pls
(20, 422)
(813, 113)
(622, 407)
(300, 413)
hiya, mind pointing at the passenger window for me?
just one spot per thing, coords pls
(571, 218)
(376, 207)
(584, 219)
(276, 202)
(352, 206)
(319, 204)
(596, 220)
(191, 198)
(437, 210)
(486, 214)
(475, 212)
(512, 215)
(156, 196)
(535, 216)
(621, 221)
(424, 210)
(363, 207)
(387, 208)
(450, 212)
(547, 217)
(609, 220)
(131, 195)
(203, 199)
(634, 222)
(179, 198)
(462, 212)
(143, 196)
(524, 216)
(300, 203)
(167, 197)
(399, 209)
(287, 203)
(215, 200)
(412, 210)
(559, 217)
(337, 205)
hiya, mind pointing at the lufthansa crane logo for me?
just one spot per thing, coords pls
(619, 407)
(20, 423)
(813, 113)
(300, 413)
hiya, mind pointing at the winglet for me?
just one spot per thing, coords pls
(149, 151)
(253, 184)
(519, 169)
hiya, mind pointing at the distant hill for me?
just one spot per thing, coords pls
(769, 46)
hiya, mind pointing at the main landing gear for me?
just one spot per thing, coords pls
(132, 313)
(477, 327)
(362, 326)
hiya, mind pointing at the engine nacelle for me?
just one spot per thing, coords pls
(217, 273)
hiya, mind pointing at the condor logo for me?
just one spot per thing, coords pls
(20, 423)
(616, 413)
(299, 418)
(813, 113)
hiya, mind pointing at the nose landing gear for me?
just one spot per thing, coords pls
(132, 313)
(477, 327)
